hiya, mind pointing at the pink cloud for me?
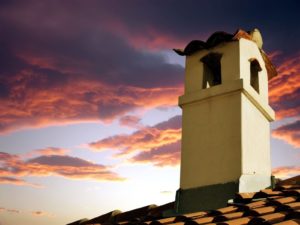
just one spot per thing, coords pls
(286, 171)
(289, 133)
(18, 182)
(82, 101)
(130, 121)
(46, 151)
(12, 167)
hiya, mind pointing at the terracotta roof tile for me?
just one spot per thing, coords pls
(202, 220)
(163, 221)
(228, 209)
(229, 216)
(239, 221)
(287, 187)
(270, 218)
(293, 205)
(262, 210)
(283, 200)
(195, 215)
(267, 193)
(256, 204)
(245, 196)
(291, 181)
(289, 222)
(294, 192)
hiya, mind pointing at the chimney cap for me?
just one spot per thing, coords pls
(221, 37)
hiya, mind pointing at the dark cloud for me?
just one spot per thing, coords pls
(130, 121)
(66, 61)
(166, 155)
(106, 110)
(58, 160)
(69, 66)
(172, 123)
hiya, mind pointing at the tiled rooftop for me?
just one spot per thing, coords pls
(280, 205)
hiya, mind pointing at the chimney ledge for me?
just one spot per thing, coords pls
(226, 89)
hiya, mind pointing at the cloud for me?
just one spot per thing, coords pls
(13, 211)
(158, 145)
(145, 139)
(71, 73)
(46, 151)
(41, 214)
(12, 167)
(165, 155)
(33, 213)
(78, 102)
(286, 171)
(175, 22)
(284, 90)
(17, 181)
(2, 209)
(69, 70)
(289, 133)
(130, 121)
(52, 151)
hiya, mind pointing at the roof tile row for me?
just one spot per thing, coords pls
(280, 206)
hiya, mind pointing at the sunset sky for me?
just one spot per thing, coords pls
(89, 121)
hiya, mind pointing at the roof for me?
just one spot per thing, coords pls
(280, 205)
(222, 37)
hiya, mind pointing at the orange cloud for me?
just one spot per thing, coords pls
(143, 140)
(284, 90)
(52, 151)
(12, 167)
(289, 133)
(158, 145)
(286, 171)
(78, 102)
(46, 151)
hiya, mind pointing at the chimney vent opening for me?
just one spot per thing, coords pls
(211, 70)
(254, 72)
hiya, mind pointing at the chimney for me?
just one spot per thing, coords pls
(225, 120)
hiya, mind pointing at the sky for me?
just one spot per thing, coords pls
(89, 121)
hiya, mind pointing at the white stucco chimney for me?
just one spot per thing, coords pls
(226, 118)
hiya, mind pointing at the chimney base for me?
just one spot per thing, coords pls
(205, 198)
(217, 195)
